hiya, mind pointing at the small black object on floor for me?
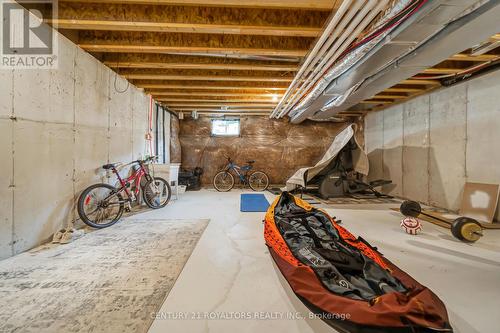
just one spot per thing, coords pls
(191, 178)
(275, 190)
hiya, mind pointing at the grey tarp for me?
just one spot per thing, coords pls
(360, 159)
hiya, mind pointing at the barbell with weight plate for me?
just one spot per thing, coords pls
(465, 229)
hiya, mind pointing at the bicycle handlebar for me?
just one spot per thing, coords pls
(146, 160)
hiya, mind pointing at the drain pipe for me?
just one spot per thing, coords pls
(316, 53)
(355, 28)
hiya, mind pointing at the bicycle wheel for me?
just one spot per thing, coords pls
(100, 206)
(156, 193)
(258, 181)
(223, 181)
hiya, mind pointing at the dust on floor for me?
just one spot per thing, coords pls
(111, 280)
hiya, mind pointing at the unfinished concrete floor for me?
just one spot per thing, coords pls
(231, 271)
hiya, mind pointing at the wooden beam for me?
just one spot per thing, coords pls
(374, 102)
(468, 57)
(221, 104)
(325, 5)
(220, 110)
(240, 114)
(207, 87)
(386, 104)
(207, 78)
(421, 82)
(403, 90)
(351, 113)
(211, 66)
(226, 29)
(173, 93)
(389, 97)
(442, 70)
(218, 101)
(105, 48)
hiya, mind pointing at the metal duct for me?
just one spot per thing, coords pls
(350, 59)
(438, 30)
(347, 23)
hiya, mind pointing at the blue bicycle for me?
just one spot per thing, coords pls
(224, 180)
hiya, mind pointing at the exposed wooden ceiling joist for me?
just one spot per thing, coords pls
(325, 5)
(211, 66)
(219, 110)
(421, 82)
(389, 97)
(199, 54)
(191, 50)
(468, 57)
(404, 90)
(174, 93)
(220, 101)
(225, 114)
(207, 77)
(72, 24)
(441, 70)
(206, 87)
(374, 102)
(220, 104)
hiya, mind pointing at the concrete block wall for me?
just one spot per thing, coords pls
(57, 127)
(432, 145)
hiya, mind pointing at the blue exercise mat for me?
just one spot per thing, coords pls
(254, 203)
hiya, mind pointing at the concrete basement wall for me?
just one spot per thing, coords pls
(68, 123)
(431, 145)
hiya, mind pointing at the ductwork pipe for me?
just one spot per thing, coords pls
(354, 29)
(327, 37)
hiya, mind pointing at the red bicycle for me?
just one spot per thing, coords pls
(102, 205)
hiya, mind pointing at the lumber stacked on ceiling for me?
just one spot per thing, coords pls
(191, 55)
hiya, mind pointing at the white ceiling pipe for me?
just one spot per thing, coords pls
(353, 11)
(355, 28)
(313, 55)
(346, 44)
(349, 31)
(340, 45)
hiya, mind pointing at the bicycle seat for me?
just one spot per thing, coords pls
(110, 166)
(251, 162)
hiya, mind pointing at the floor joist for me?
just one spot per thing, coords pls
(207, 78)
(173, 93)
(185, 28)
(221, 104)
(219, 101)
(211, 66)
(206, 87)
(325, 5)
(190, 50)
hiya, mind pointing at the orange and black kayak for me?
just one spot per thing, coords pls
(343, 279)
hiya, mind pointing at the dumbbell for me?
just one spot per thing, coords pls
(465, 229)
